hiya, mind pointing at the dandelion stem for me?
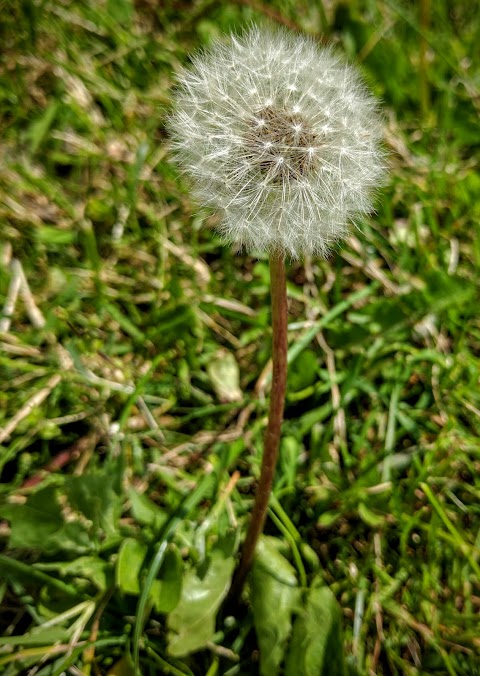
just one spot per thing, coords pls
(278, 293)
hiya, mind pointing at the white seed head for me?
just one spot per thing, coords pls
(281, 137)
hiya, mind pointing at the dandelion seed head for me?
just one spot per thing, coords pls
(281, 137)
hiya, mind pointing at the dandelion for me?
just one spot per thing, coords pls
(281, 137)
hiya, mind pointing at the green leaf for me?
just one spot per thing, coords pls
(192, 623)
(166, 591)
(121, 11)
(444, 291)
(204, 488)
(224, 376)
(39, 524)
(327, 519)
(129, 564)
(275, 595)
(123, 667)
(145, 511)
(39, 636)
(90, 568)
(33, 523)
(125, 323)
(368, 517)
(40, 127)
(289, 453)
(316, 648)
(52, 235)
(304, 372)
(94, 497)
(24, 573)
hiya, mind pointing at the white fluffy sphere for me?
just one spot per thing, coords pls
(281, 137)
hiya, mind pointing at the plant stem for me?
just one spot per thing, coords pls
(278, 293)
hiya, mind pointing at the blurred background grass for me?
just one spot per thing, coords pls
(134, 346)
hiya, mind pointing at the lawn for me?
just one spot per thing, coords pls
(135, 364)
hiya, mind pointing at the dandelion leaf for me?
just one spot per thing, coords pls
(316, 648)
(275, 596)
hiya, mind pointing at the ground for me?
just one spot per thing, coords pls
(134, 364)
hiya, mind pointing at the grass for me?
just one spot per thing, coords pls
(134, 365)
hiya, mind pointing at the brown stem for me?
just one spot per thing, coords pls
(278, 293)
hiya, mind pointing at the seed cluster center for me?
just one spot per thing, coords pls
(281, 144)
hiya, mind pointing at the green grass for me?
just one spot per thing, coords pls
(133, 389)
